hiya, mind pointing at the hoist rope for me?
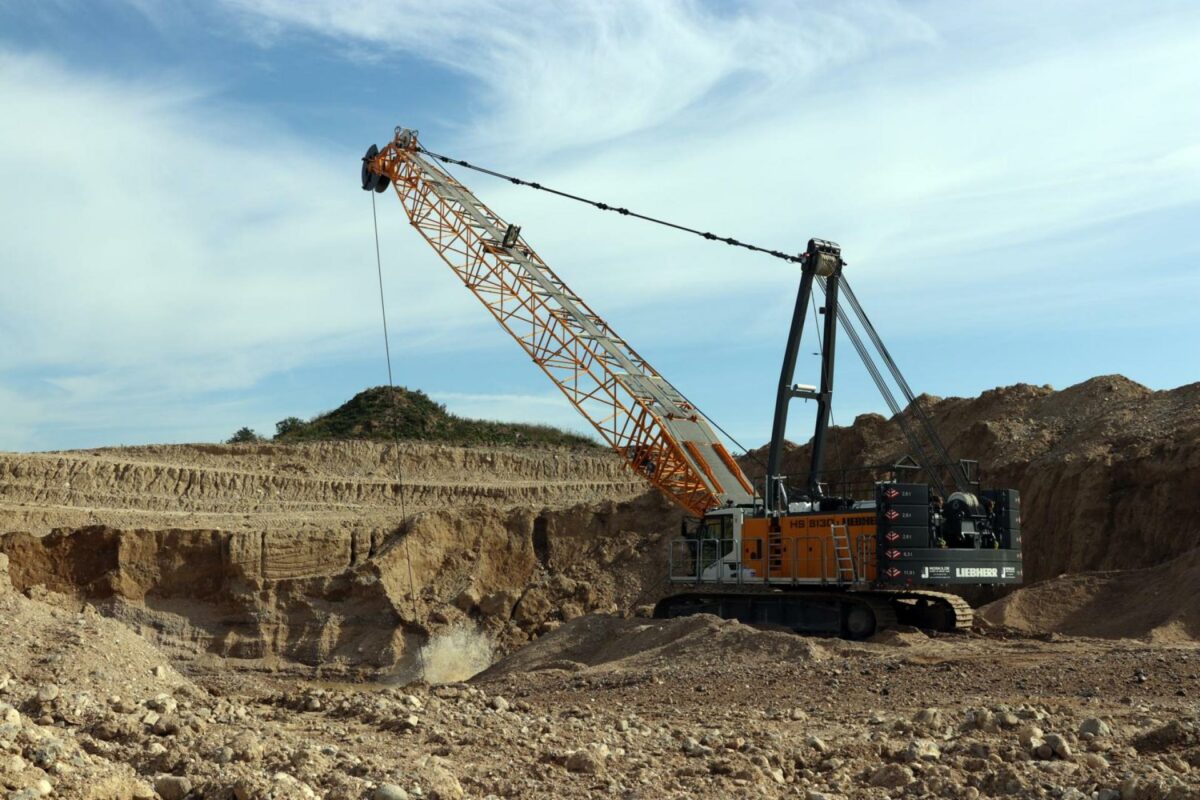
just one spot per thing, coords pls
(387, 349)
(625, 212)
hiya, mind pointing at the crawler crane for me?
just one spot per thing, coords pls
(824, 556)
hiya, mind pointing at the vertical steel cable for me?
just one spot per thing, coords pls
(387, 349)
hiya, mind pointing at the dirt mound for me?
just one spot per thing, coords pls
(1159, 603)
(350, 601)
(384, 414)
(608, 642)
(1108, 470)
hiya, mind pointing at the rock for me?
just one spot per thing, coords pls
(1059, 745)
(499, 703)
(466, 600)
(817, 744)
(163, 703)
(797, 715)
(1095, 760)
(892, 776)
(440, 782)
(142, 791)
(159, 672)
(167, 725)
(172, 787)
(44, 787)
(1094, 727)
(47, 693)
(984, 720)
(928, 718)
(533, 606)
(693, 748)
(1030, 736)
(922, 750)
(585, 761)
(389, 791)
(1108, 794)
(247, 748)
(498, 604)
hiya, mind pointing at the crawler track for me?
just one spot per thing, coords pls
(848, 614)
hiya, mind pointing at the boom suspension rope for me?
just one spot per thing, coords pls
(625, 212)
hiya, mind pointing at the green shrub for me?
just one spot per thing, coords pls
(244, 436)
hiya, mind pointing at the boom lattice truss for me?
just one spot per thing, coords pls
(637, 412)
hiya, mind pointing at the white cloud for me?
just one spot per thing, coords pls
(952, 149)
(923, 137)
(158, 247)
(565, 75)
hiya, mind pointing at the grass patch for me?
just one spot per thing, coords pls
(381, 414)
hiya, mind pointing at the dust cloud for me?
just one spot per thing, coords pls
(456, 654)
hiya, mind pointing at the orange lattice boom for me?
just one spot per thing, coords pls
(636, 411)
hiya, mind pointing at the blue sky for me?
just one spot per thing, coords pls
(1016, 187)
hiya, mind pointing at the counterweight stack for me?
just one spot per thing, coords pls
(643, 417)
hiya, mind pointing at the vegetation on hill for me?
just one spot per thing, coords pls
(382, 413)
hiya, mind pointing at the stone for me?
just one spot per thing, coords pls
(47, 693)
(1108, 794)
(159, 672)
(389, 791)
(167, 725)
(466, 600)
(797, 715)
(922, 750)
(247, 748)
(928, 718)
(1095, 760)
(440, 782)
(499, 703)
(1094, 727)
(892, 776)
(984, 720)
(1030, 736)
(172, 787)
(817, 744)
(498, 604)
(163, 703)
(142, 791)
(533, 606)
(1059, 745)
(585, 761)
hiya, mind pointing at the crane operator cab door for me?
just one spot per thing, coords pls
(719, 547)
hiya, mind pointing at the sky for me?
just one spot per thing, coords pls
(186, 249)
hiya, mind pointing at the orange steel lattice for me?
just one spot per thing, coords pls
(602, 376)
